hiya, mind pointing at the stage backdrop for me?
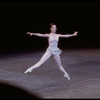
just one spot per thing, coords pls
(19, 17)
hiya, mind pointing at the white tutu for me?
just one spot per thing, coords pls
(54, 51)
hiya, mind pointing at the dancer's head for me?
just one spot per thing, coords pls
(53, 28)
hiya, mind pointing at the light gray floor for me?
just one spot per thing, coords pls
(83, 66)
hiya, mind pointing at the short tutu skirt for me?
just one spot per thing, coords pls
(54, 51)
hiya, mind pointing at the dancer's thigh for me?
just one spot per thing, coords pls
(57, 59)
(46, 56)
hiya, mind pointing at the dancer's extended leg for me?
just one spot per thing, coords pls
(58, 61)
(44, 58)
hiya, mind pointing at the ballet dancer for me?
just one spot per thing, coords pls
(52, 49)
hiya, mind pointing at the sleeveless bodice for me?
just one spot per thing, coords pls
(53, 42)
(53, 45)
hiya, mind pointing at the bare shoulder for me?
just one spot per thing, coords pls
(59, 34)
(47, 34)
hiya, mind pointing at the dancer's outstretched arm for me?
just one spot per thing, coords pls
(68, 35)
(38, 34)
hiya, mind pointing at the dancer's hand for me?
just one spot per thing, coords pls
(75, 33)
(30, 33)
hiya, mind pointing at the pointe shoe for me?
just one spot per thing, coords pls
(66, 75)
(28, 70)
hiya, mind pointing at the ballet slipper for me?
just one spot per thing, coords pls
(28, 70)
(66, 75)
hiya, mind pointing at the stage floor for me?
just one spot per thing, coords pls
(83, 66)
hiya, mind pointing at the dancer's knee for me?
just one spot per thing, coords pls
(39, 63)
(60, 67)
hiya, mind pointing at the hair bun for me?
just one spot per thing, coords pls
(51, 24)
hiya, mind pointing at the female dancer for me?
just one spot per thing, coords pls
(52, 49)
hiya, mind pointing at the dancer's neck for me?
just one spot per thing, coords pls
(52, 33)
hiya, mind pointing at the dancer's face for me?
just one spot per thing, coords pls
(53, 29)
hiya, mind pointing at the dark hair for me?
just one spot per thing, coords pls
(52, 24)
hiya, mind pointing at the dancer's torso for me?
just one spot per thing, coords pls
(53, 40)
(53, 44)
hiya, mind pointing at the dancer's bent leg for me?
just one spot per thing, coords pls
(44, 58)
(58, 61)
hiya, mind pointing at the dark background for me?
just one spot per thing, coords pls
(19, 17)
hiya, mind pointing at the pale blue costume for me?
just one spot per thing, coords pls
(53, 46)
